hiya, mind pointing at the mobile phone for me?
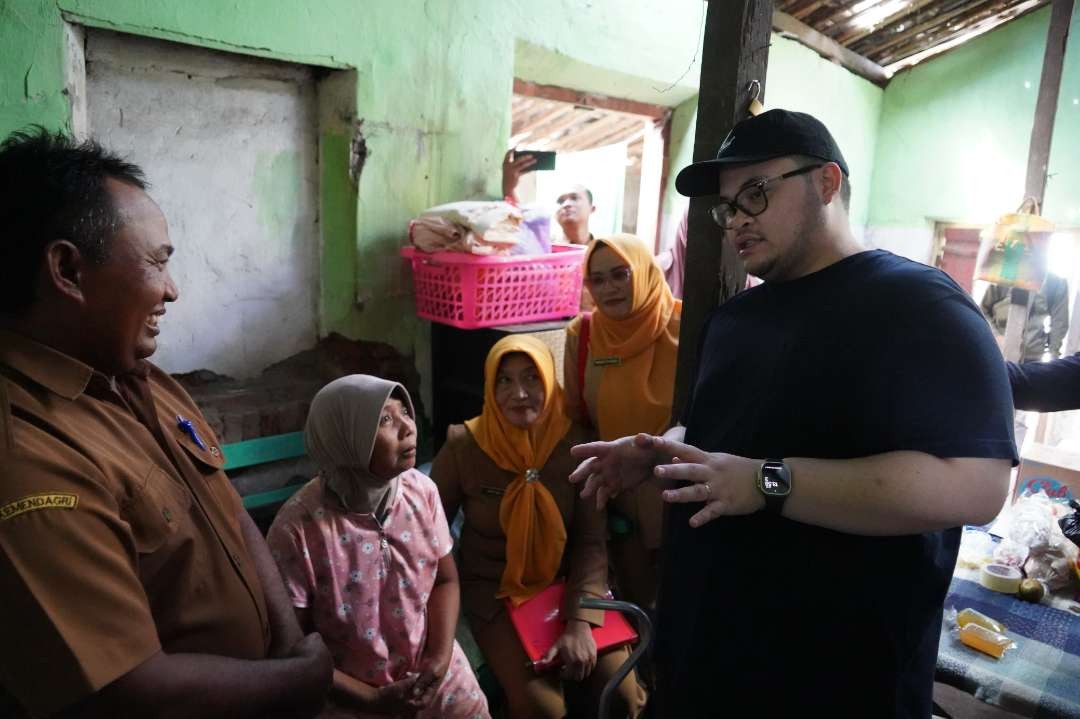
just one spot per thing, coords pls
(545, 159)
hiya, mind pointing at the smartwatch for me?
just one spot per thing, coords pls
(774, 483)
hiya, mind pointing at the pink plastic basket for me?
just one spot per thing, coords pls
(471, 291)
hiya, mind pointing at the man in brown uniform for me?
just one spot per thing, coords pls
(133, 582)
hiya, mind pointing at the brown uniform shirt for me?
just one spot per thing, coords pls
(119, 534)
(468, 479)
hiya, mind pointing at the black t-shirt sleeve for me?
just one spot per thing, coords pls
(943, 386)
(1046, 386)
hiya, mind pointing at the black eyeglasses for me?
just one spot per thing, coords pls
(752, 200)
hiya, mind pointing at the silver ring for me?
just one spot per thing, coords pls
(708, 490)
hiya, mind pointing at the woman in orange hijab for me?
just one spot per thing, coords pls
(525, 528)
(619, 369)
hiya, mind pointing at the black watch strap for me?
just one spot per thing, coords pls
(774, 504)
(774, 483)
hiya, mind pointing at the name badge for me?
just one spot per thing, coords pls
(605, 361)
(492, 491)
(34, 502)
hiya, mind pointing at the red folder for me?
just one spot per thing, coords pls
(539, 624)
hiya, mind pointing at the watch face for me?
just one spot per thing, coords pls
(775, 479)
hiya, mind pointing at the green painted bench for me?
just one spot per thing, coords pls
(260, 451)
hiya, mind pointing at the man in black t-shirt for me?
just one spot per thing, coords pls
(848, 416)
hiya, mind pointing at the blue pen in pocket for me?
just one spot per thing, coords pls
(187, 426)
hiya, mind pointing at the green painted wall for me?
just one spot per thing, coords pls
(31, 55)
(1062, 199)
(680, 154)
(800, 79)
(955, 131)
(850, 106)
(434, 80)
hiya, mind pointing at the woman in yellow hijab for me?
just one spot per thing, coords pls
(525, 528)
(620, 380)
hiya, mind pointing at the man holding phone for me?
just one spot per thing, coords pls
(575, 203)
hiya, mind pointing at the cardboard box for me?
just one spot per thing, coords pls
(1053, 470)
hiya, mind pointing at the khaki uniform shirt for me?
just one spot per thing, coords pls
(1052, 301)
(119, 534)
(643, 505)
(468, 479)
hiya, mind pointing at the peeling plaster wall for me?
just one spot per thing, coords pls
(229, 143)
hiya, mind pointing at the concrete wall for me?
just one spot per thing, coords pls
(230, 144)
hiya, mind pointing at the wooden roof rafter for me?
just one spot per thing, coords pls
(628, 133)
(889, 32)
(970, 30)
(899, 17)
(877, 51)
(608, 131)
(549, 115)
(566, 124)
(588, 135)
(564, 120)
(955, 26)
(800, 13)
(833, 16)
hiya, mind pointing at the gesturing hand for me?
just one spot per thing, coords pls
(612, 467)
(724, 482)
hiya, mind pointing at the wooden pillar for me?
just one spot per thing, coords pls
(1046, 106)
(1042, 132)
(736, 51)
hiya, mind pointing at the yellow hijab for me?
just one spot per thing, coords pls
(635, 394)
(528, 514)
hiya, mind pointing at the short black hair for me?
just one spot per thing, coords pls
(845, 183)
(52, 188)
(588, 192)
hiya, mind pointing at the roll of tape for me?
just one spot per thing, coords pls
(1000, 578)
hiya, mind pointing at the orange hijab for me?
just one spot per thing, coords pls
(528, 514)
(635, 395)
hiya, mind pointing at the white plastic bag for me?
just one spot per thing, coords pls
(1032, 521)
(497, 225)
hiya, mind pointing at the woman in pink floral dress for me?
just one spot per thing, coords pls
(364, 549)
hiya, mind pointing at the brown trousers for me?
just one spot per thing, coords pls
(532, 695)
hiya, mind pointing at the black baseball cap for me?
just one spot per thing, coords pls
(776, 133)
